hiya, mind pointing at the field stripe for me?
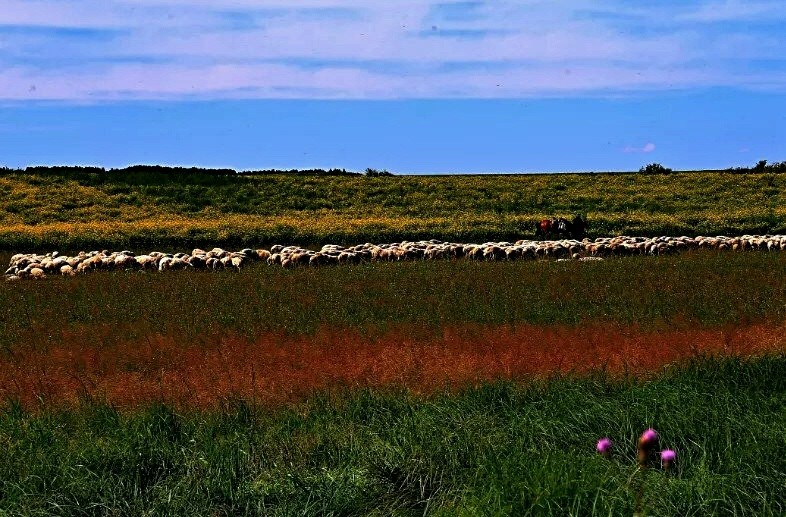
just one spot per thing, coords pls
(275, 368)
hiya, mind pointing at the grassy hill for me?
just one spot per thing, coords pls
(44, 208)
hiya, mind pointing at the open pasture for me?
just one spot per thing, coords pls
(404, 387)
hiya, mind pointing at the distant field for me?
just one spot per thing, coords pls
(88, 210)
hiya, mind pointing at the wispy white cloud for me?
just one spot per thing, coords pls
(110, 49)
(646, 148)
(737, 10)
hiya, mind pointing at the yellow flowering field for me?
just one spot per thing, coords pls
(78, 210)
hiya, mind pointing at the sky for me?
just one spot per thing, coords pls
(411, 86)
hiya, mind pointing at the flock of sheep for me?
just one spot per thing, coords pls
(30, 265)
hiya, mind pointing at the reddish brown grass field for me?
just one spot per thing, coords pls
(276, 368)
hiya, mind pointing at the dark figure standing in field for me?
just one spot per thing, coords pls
(578, 228)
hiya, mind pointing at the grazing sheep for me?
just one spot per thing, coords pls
(59, 262)
(318, 259)
(494, 253)
(31, 265)
(165, 263)
(146, 262)
(196, 261)
(302, 257)
(434, 253)
(123, 261)
(473, 252)
(178, 263)
(346, 257)
(212, 264)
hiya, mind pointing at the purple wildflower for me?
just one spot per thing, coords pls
(647, 444)
(648, 438)
(604, 447)
(667, 456)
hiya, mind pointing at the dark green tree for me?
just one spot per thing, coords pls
(654, 168)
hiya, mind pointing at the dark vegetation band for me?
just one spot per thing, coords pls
(162, 169)
(762, 166)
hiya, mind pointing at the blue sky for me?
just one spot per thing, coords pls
(414, 86)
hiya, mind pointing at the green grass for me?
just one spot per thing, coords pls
(693, 289)
(497, 449)
(500, 448)
(82, 210)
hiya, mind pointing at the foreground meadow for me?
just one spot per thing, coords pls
(445, 388)
(494, 449)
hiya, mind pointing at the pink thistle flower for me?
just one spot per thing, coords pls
(647, 444)
(648, 438)
(667, 456)
(604, 447)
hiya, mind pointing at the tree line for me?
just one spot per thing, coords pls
(761, 167)
(162, 169)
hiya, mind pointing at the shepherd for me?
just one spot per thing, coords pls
(578, 227)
